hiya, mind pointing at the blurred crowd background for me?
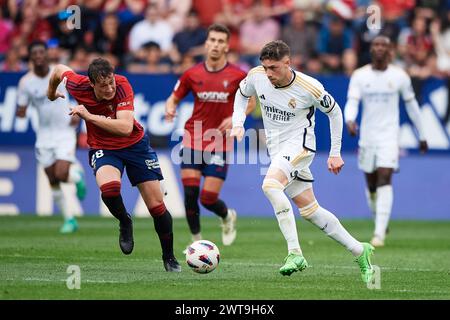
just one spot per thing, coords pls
(166, 36)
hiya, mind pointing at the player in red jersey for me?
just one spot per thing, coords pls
(118, 142)
(205, 140)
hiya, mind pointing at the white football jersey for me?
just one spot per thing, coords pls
(288, 112)
(379, 92)
(53, 116)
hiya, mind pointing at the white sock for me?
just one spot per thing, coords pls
(74, 173)
(273, 190)
(385, 197)
(328, 223)
(372, 201)
(60, 200)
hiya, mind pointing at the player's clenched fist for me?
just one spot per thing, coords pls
(79, 110)
(237, 132)
(335, 164)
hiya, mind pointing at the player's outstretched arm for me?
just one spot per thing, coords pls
(171, 107)
(227, 123)
(331, 108)
(335, 162)
(55, 80)
(413, 110)
(239, 115)
(350, 114)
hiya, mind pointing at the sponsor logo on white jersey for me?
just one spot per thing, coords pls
(276, 114)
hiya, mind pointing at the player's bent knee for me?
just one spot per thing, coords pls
(208, 198)
(269, 184)
(110, 189)
(158, 210)
(308, 210)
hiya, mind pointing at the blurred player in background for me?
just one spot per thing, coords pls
(56, 137)
(205, 142)
(118, 142)
(378, 85)
(289, 100)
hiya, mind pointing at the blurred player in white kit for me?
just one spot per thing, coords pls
(378, 85)
(56, 136)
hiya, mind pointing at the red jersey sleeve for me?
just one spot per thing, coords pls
(77, 85)
(125, 95)
(183, 86)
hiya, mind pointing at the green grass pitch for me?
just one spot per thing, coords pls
(34, 259)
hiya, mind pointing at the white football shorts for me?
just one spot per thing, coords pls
(294, 161)
(47, 156)
(383, 156)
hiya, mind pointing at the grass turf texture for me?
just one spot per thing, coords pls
(34, 258)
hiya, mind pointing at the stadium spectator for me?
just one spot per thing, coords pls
(235, 58)
(440, 33)
(174, 12)
(152, 28)
(30, 26)
(336, 45)
(55, 54)
(152, 63)
(416, 49)
(12, 62)
(187, 61)
(118, 142)
(128, 11)
(300, 37)
(69, 38)
(207, 10)
(110, 38)
(6, 28)
(190, 40)
(255, 31)
(205, 148)
(48, 8)
(395, 10)
(314, 65)
(80, 60)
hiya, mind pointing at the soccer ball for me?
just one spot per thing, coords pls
(202, 256)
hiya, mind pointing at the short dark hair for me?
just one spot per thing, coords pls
(36, 43)
(219, 28)
(275, 50)
(99, 68)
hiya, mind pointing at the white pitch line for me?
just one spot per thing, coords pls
(64, 280)
(230, 263)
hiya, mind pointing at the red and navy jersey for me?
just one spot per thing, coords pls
(213, 102)
(79, 87)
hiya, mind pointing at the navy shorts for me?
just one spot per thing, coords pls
(139, 159)
(210, 164)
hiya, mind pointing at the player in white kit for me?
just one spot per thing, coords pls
(56, 136)
(288, 101)
(378, 85)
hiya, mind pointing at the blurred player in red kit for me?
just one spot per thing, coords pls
(118, 142)
(206, 141)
